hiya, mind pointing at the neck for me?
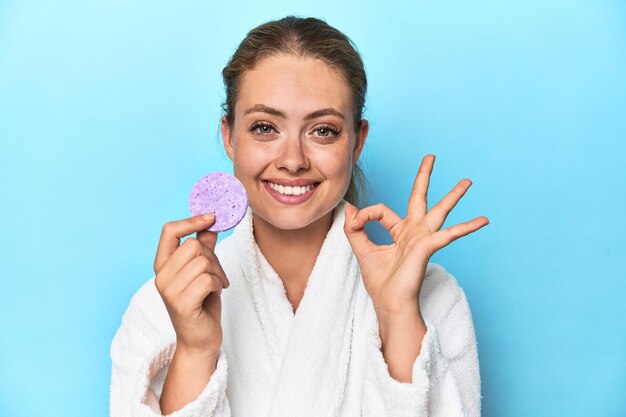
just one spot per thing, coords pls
(292, 253)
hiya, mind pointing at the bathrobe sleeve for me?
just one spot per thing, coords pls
(445, 375)
(141, 352)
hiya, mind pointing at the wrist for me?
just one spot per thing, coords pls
(193, 355)
(189, 373)
(400, 321)
(397, 311)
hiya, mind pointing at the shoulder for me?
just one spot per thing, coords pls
(441, 297)
(146, 307)
(444, 304)
(148, 302)
(144, 324)
(440, 290)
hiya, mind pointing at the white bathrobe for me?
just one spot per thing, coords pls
(325, 360)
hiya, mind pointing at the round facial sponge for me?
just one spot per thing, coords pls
(222, 194)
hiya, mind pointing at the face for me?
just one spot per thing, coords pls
(293, 142)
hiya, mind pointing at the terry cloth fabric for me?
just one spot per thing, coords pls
(324, 360)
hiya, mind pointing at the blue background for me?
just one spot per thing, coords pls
(109, 112)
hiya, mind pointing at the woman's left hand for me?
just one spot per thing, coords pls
(393, 274)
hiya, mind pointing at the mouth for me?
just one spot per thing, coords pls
(290, 194)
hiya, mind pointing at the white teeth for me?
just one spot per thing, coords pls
(287, 190)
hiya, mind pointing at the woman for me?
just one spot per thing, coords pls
(317, 319)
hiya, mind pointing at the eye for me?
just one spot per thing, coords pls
(326, 131)
(265, 128)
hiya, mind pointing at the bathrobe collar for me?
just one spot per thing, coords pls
(311, 349)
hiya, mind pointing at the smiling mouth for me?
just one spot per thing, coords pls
(291, 190)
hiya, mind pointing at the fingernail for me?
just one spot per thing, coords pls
(353, 223)
(208, 216)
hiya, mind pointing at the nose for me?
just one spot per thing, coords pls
(292, 156)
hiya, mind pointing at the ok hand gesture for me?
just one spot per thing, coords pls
(393, 274)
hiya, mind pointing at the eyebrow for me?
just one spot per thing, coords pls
(318, 113)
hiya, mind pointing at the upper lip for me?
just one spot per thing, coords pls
(292, 183)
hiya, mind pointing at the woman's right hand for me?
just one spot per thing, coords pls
(190, 279)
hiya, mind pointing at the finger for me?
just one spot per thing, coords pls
(172, 233)
(199, 289)
(197, 266)
(357, 238)
(418, 204)
(378, 212)
(216, 269)
(446, 236)
(209, 252)
(190, 249)
(207, 238)
(438, 214)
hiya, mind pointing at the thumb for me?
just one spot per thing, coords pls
(357, 237)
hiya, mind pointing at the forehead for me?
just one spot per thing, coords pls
(294, 85)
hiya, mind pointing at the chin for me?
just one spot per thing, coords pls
(290, 221)
(290, 225)
(292, 218)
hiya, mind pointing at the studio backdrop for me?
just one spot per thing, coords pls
(109, 113)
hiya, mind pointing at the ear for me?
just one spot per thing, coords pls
(360, 140)
(228, 142)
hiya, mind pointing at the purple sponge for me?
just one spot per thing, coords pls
(222, 194)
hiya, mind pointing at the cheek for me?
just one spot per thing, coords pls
(336, 163)
(251, 157)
